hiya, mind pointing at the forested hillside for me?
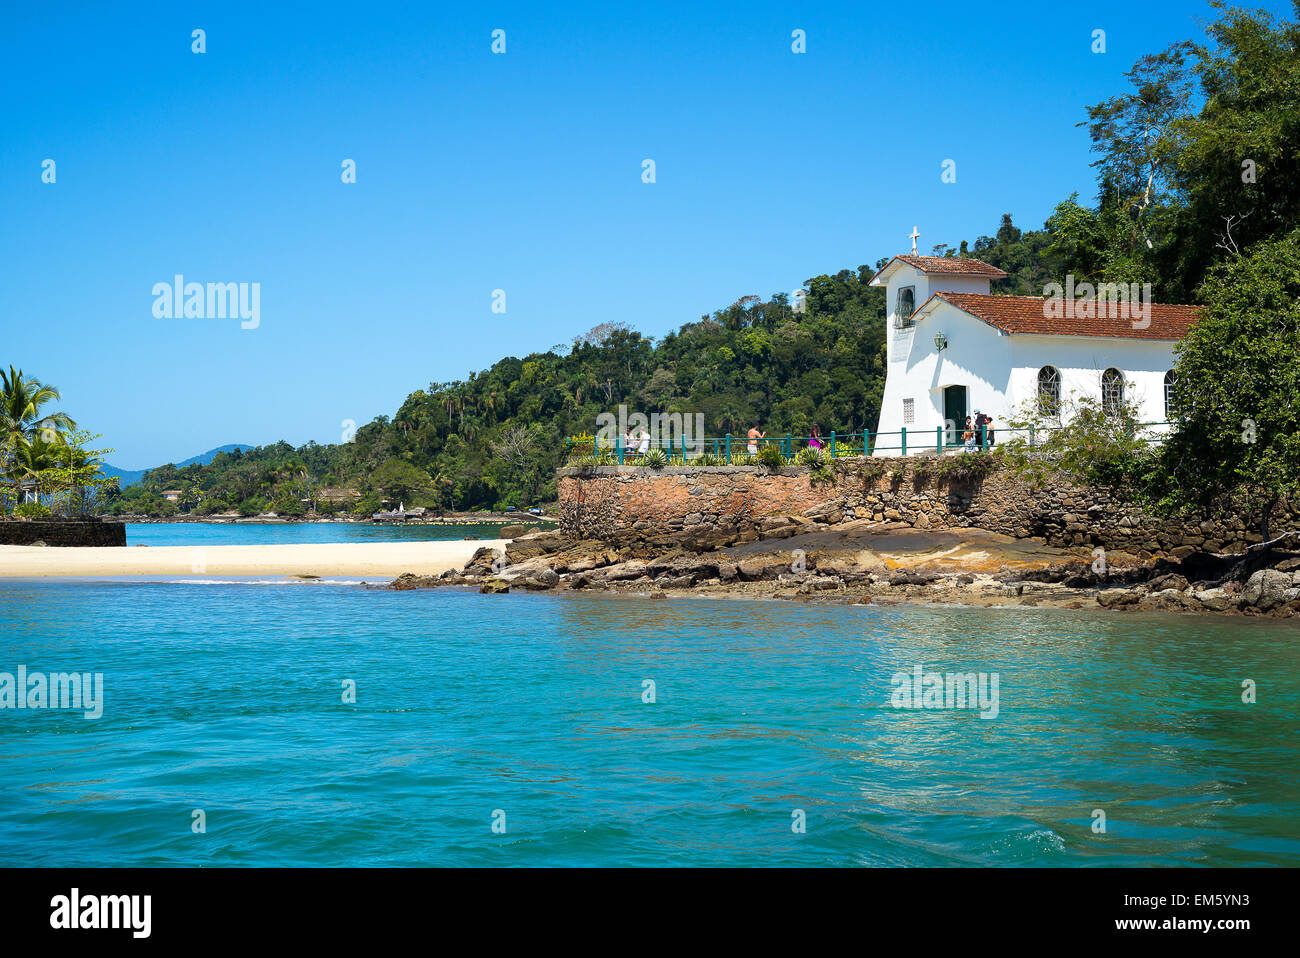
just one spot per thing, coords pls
(757, 360)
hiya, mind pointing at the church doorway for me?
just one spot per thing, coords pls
(954, 414)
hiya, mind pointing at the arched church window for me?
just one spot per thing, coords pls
(1049, 391)
(1112, 392)
(905, 306)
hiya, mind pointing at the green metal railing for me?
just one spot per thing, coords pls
(729, 448)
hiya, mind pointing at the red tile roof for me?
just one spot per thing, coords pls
(949, 264)
(1027, 315)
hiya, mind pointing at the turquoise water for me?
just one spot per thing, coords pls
(275, 533)
(227, 698)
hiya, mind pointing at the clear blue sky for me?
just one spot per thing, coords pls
(478, 171)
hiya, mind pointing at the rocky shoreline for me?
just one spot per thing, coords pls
(883, 563)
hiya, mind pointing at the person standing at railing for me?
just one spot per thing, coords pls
(983, 434)
(754, 437)
(643, 443)
(815, 440)
(968, 437)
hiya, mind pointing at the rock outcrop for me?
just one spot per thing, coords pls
(813, 565)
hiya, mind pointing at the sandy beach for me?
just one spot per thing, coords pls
(385, 559)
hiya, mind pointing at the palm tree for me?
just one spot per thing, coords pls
(729, 419)
(443, 485)
(28, 460)
(299, 479)
(21, 422)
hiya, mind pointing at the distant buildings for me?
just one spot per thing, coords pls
(400, 514)
(337, 495)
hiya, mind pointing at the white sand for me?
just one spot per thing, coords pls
(323, 559)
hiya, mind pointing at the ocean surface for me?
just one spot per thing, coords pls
(530, 712)
(288, 533)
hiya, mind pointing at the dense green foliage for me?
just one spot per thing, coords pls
(1081, 439)
(1239, 390)
(1198, 162)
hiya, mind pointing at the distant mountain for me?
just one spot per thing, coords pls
(129, 477)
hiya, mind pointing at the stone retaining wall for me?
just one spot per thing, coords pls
(610, 502)
(61, 532)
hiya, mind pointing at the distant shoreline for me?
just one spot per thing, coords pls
(317, 559)
(472, 519)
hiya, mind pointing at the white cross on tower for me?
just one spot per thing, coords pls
(913, 235)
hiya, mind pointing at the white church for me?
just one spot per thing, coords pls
(954, 349)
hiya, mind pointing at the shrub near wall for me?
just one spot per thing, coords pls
(606, 502)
